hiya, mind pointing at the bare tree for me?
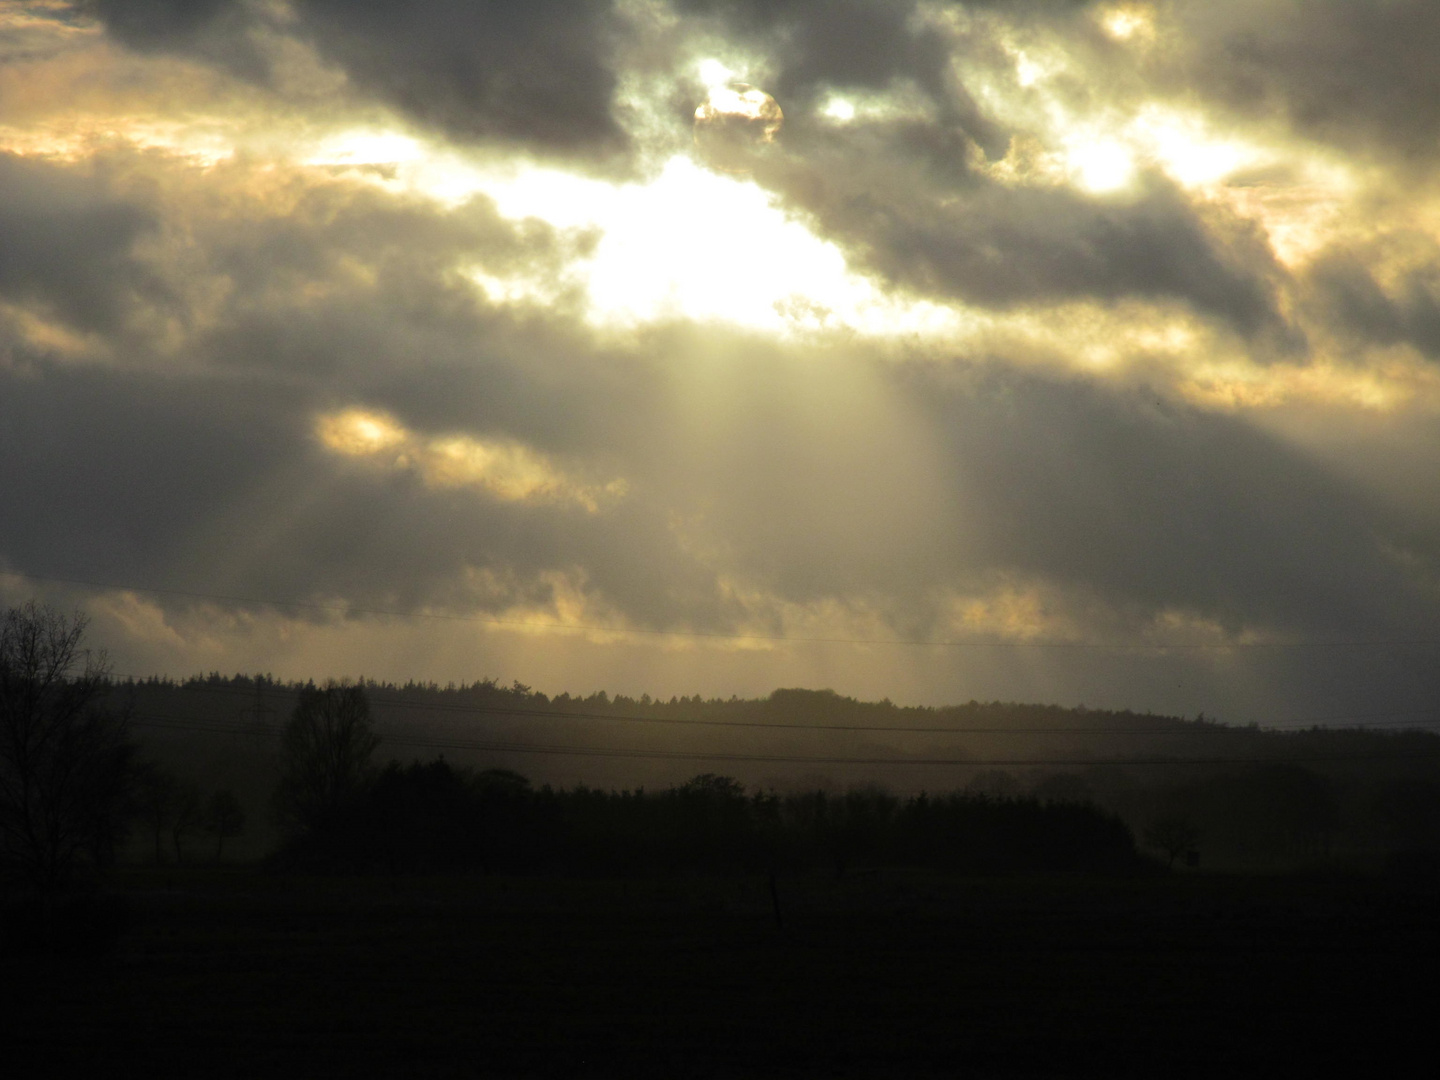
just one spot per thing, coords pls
(1173, 834)
(65, 758)
(224, 817)
(157, 794)
(189, 815)
(326, 756)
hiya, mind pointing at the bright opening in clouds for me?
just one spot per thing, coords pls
(1099, 164)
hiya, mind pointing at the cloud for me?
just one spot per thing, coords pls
(506, 469)
(69, 245)
(910, 181)
(531, 74)
(862, 488)
(813, 48)
(1349, 297)
(1360, 77)
(162, 23)
(527, 75)
(226, 33)
(992, 245)
(1155, 505)
(1016, 328)
(194, 482)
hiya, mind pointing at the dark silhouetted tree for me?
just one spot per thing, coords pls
(189, 815)
(224, 818)
(1173, 834)
(65, 758)
(326, 753)
(156, 799)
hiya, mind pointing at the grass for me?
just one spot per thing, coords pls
(239, 973)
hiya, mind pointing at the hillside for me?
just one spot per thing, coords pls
(1253, 794)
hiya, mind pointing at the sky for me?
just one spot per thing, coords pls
(1084, 353)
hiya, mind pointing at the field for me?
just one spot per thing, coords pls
(241, 973)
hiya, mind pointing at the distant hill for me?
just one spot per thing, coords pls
(1376, 785)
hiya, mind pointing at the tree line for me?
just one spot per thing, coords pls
(433, 818)
(73, 785)
(340, 813)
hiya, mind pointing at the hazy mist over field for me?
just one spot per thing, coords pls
(1075, 353)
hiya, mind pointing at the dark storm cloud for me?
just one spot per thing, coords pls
(533, 75)
(1347, 296)
(218, 485)
(1153, 504)
(337, 281)
(816, 45)
(66, 244)
(1361, 76)
(163, 23)
(218, 31)
(996, 246)
(852, 44)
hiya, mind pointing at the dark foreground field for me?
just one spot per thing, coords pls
(888, 974)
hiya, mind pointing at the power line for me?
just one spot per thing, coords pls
(977, 643)
(182, 723)
(1300, 725)
(898, 729)
(562, 714)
